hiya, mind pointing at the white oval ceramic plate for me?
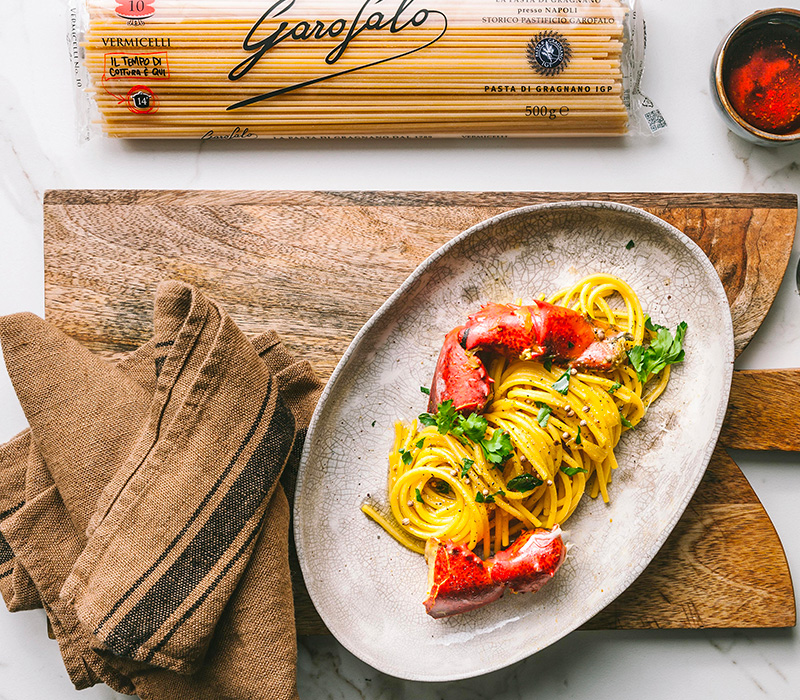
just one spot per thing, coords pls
(367, 588)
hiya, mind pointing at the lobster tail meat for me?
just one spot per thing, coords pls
(458, 580)
(530, 562)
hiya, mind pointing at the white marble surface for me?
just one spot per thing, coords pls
(39, 150)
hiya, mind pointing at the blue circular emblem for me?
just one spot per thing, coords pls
(549, 53)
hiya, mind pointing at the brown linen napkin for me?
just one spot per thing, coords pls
(168, 462)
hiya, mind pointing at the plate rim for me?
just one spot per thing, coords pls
(727, 361)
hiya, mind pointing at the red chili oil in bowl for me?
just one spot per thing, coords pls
(756, 77)
(761, 75)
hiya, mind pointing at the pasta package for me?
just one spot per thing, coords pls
(247, 69)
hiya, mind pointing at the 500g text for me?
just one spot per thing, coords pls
(544, 111)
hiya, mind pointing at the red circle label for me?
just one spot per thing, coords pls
(135, 9)
(141, 100)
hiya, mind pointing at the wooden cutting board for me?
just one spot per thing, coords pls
(316, 265)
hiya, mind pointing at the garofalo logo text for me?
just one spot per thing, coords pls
(369, 18)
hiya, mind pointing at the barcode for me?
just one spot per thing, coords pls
(655, 120)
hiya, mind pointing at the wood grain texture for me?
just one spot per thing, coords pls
(764, 411)
(722, 566)
(263, 254)
(316, 265)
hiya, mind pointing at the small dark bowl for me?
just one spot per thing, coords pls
(778, 16)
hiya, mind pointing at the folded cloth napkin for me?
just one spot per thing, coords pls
(143, 509)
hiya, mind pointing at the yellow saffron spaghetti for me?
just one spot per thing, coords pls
(563, 427)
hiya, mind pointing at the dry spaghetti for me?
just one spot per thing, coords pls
(243, 69)
(562, 428)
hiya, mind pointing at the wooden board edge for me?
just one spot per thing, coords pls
(767, 600)
(722, 200)
(772, 283)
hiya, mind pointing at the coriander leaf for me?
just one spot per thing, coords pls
(421, 443)
(497, 448)
(466, 465)
(373, 423)
(548, 364)
(614, 387)
(629, 245)
(543, 416)
(419, 496)
(562, 384)
(406, 456)
(427, 419)
(572, 471)
(425, 390)
(578, 439)
(523, 483)
(446, 418)
(473, 427)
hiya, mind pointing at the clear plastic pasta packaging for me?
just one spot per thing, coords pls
(240, 69)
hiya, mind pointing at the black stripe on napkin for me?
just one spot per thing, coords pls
(6, 553)
(213, 540)
(196, 513)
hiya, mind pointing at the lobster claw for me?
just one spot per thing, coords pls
(458, 580)
(526, 332)
(531, 561)
(460, 376)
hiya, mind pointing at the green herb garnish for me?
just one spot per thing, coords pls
(625, 421)
(441, 487)
(654, 327)
(663, 350)
(614, 387)
(466, 465)
(421, 443)
(578, 439)
(472, 427)
(543, 417)
(572, 471)
(445, 419)
(480, 498)
(562, 384)
(629, 245)
(548, 364)
(419, 496)
(523, 483)
(427, 419)
(406, 456)
(498, 448)
(425, 390)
